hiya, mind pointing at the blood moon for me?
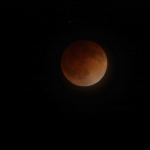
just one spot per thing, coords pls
(84, 63)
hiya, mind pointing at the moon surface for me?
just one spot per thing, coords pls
(84, 63)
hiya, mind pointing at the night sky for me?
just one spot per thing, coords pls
(41, 108)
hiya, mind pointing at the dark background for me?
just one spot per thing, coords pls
(40, 108)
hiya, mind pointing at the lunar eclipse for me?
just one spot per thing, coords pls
(84, 63)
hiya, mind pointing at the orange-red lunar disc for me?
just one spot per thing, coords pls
(84, 63)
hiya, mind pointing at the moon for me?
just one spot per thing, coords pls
(84, 63)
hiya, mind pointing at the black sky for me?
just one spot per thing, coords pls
(40, 109)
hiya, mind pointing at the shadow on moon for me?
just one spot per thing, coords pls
(98, 87)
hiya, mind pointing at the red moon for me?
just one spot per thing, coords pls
(84, 63)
